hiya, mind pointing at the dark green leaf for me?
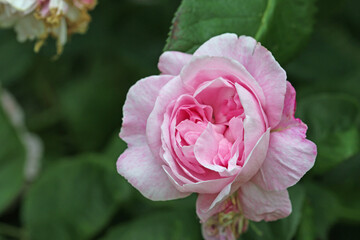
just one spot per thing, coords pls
(332, 121)
(89, 110)
(321, 211)
(344, 181)
(331, 55)
(115, 147)
(74, 199)
(171, 225)
(280, 25)
(307, 227)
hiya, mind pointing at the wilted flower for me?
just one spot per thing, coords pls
(39, 19)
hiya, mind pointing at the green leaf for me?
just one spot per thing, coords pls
(12, 158)
(344, 182)
(332, 120)
(283, 229)
(307, 227)
(320, 212)
(115, 147)
(85, 105)
(331, 54)
(170, 225)
(280, 25)
(74, 199)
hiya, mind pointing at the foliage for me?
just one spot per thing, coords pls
(74, 105)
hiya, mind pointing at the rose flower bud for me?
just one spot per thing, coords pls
(218, 123)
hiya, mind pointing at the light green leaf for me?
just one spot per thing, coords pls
(74, 199)
(283, 229)
(332, 120)
(170, 225)
(280, 25)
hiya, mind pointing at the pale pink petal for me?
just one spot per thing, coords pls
(137, 164)
(287, 118)
(208, 204)
(290, 154)
(254, 161)
(171, 91)
(268, 73)
(203, 187)
(206, 149)
(169, 152)
(255, 123)
(258, 61)
(139, 102)
(289, 157)
(259, 204)
(144, 172)
(223, 45)
(171, 62)
(202, 69)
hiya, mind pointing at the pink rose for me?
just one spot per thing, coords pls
(216, 122)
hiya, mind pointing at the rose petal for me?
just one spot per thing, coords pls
(259, 204)
(205, 207)
(290, 154)
(144, 172)
(259, 62)
(139, 102)
(254, 122)
(223, 45)
(209, 203)
(137, 164)
(206, 149)
(172, 90)
(268, 73)
(202, 187)
(202, 69)
(171, 62)
(289, 157)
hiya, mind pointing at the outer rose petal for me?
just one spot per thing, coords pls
(202, 69)
(139, 102)
(290, 154)
(143, 171)
(259, 62)
(259, 204)
(137, 164)
(172, 90)
(204, 203)
(172, 62)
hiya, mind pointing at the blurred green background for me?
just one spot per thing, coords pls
(74, 106)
